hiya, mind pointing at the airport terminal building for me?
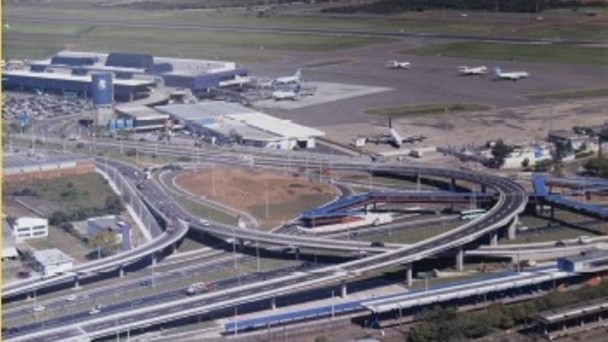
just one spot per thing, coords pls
(133, 76)
(226, 122)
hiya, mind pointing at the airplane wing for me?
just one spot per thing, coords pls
(413, 139)
(379, 139)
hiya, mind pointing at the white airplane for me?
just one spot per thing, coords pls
(465, 70)
(293, 95)
(513, 75)
(288, 79)
(393, 137)
(397, 65)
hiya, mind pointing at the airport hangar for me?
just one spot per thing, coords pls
(225, 122)
(133, 75)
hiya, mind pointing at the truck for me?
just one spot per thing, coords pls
(201, 287)
(415, 153)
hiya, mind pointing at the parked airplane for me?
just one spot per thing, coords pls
(513, 75)
(288, 79)
(393, 137)
(465, 70)
(293, 95)
(397, 65)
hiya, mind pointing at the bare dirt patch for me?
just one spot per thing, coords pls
(247, 190)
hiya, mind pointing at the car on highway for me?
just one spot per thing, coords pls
(71, 298)
(95, 310)
(39, 308)
(377, 244)
(204, 222)
(560, 243)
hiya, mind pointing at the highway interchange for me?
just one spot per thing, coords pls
(512, 199)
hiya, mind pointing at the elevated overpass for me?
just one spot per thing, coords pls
(161, 241)
(511, 199)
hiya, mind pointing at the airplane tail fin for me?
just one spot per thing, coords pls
(390, 122)
(298, 74)
(298, 88)
(497, 70)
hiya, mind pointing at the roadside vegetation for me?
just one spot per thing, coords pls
(549, 53)
(424, 109)
(447, 324)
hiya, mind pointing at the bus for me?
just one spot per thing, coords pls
(472, 214)
(201, 287)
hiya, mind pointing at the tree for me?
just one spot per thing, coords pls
(601, 137)
(500, 152)
(525, 163)
(597, 166)
(114, 205)
(105, 243)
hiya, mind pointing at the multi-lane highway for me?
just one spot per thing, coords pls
(511, 200)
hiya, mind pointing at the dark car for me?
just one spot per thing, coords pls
(560, 243)
(377, 244)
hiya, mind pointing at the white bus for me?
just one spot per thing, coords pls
(471, 214)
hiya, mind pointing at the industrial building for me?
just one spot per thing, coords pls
(133, 75)
(31, 227)
(53, 261)
(224, 122)
(121, 228)
(8, 241)
(28, 167)
(587, 262)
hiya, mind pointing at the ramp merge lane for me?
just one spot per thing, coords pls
(511, 200)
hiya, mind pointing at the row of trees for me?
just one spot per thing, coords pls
(395, 6)
(113, 206)
(446, 324)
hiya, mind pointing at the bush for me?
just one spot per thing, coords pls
(131, 152)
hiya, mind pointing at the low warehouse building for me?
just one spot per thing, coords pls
(225, 122)
(53, 261)
(144, 118)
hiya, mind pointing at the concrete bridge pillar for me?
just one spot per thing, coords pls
(121, 271)
(409, 274)
(153, 259)
(76, 282)
(512, 228)
(460, 259)
(273, 303)
(552, 211)
(483, 189)
(343, 290)
(241, 244)
(453, 184)
(493, 238)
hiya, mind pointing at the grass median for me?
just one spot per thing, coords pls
(427, 109)
(571, 94)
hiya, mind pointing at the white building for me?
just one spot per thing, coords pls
(226, 122)
(8, 241)
(53, 261)
(31, 227)
(533, 155)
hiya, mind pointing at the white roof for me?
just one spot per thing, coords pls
(273, 125)
(26, 221)
(8, 240)
(52, 256)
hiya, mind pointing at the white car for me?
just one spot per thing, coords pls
(204, 222)
(39, 308)
(71, 298)
(94, 311)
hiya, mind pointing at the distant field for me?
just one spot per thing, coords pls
(572, 94)
(517, 52)
(424, 109)
(70, 193)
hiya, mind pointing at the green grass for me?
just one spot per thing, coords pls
(69, 193)
(322, 63)
(67, 243)
(425, 109)
(517, 52)
(571, 94)
(246, 40)
(208, 212)
(545, 236)
(288, 210)
(409, 236)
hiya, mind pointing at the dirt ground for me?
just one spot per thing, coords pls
(248, 190)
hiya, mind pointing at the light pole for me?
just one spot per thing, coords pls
(332, 304)
(267, 200)
(234, 249)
